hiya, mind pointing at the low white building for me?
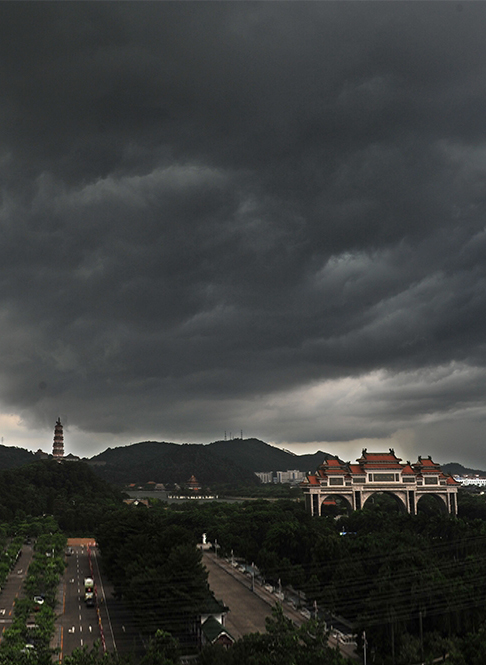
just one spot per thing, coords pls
(479, 482)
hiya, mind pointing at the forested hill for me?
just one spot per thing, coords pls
(163, 462)
(456, 469)
(71, 492)
(221, 462)
(12, 457)
(256, 455)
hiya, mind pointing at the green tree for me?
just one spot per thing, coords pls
(163, 650)
(94, 656)
(282, 644)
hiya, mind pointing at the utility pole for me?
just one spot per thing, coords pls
(421, 637)
(252, 576)
(365, 644)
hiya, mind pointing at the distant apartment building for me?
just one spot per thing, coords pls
(291, 476)
(265, 476)
(467, 480)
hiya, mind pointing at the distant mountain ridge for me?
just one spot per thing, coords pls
(222, 462)
(233, 461)
(12, 457)
(456, 469)
(256, 455)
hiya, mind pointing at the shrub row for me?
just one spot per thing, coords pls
(28, 638)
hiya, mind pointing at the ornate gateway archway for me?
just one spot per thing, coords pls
(380, 472)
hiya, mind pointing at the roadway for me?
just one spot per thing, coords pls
(13, 587)
(78, 626)
(112, 625)
(249, 608)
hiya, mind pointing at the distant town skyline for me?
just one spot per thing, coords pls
(257, 216)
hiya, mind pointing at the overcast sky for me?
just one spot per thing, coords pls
(261, 217)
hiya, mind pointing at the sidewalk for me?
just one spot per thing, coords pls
(56, 640)
(271, 599)
(13, 587)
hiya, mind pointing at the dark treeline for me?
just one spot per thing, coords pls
(70, 492)
(416, 585)
(152, 560)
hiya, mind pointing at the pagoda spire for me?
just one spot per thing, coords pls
(58, 447)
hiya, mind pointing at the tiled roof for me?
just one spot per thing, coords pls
(427, 462)
(212, 629)
(451, 481)
(212, 606)
(380, 457)
(387, 459)
(382, 466)
(376, 462)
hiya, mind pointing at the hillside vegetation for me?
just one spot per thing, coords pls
(12, 457)
(70, 492)
(222, 462)
(228, 464)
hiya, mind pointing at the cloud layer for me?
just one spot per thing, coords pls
(225, 216)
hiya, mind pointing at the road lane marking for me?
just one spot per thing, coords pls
(103, 597)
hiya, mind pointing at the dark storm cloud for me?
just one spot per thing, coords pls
(211, 209)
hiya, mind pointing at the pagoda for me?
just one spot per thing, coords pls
(193, 484)
(58, 447)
